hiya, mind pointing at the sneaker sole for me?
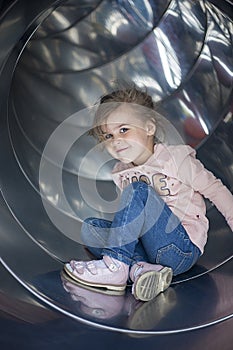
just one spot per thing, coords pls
(66, 277)
(68, 270)
(151, 283)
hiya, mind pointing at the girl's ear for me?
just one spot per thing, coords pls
(150, 127)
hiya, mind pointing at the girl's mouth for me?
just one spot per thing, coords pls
(121, 150)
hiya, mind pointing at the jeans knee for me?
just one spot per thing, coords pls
(139, 185)
(134, 191)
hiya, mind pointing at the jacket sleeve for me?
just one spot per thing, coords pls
(193, 173)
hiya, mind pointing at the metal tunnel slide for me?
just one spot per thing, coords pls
(57, 58)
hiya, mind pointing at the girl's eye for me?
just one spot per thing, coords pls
(123, 130)
(107, 136)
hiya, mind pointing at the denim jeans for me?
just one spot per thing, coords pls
(143, 229)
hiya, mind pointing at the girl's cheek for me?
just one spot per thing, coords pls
(109, 149)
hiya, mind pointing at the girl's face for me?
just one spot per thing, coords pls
(127, 137)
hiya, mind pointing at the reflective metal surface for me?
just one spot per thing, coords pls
(61, 58)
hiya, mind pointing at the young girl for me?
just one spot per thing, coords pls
(160, 228)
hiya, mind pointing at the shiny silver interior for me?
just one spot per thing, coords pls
(62, 58)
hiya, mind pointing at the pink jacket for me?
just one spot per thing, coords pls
(182, 181)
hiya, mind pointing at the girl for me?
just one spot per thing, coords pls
(160, 228)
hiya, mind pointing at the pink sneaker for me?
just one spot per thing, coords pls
(149, 280)
(106, 273)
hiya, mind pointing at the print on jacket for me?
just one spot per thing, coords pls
(158, 181)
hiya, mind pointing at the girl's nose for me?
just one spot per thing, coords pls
(116, 141)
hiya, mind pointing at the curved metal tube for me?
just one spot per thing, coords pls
(70, 54)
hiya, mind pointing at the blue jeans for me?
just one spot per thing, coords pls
(143, 229)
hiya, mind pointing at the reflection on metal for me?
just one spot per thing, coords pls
(182, 51)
